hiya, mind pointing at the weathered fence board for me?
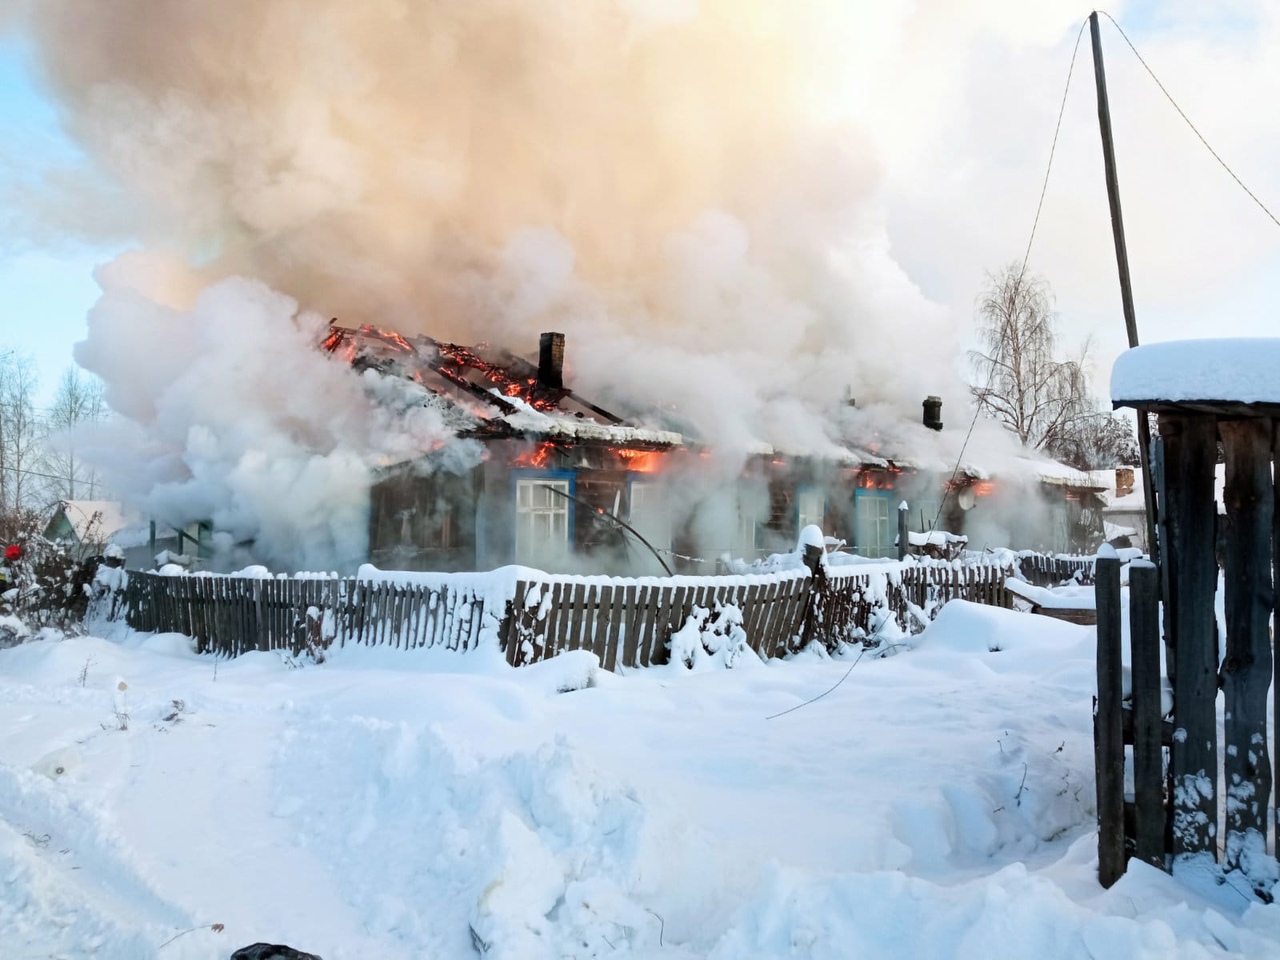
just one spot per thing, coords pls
(1108, 731)
(1190, 449)
(1148, 755)
(1246, 669)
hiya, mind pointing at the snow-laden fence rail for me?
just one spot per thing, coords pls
(535, 615)
(630, 622)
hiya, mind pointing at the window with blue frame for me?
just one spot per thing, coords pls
(874, 529)
(544, 515)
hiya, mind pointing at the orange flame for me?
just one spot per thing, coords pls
(641, 461)
(876, 479)
(984, 488)
(537, 457)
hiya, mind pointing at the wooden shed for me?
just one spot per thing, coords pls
(1211, 398)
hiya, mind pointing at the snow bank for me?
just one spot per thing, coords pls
(934, 800)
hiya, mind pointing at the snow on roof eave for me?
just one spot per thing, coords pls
(1213, 373)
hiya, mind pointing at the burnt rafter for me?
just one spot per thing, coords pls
(491, 375)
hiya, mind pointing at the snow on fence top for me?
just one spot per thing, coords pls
(1240, 370)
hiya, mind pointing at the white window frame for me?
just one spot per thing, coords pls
(542, 519)
(874, 533)
(811, 508)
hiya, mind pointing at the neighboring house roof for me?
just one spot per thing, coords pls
(1135, 500)
(101, 521)
(1059, 474)
(92, 519)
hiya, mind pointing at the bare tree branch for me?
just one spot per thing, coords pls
(1023, 385)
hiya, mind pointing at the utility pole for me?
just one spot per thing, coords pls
(1122, 265)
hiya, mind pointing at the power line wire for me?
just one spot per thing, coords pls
(1168, 96)
(1053, 147)
(1026, 256)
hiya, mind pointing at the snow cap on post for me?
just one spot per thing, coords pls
(1236, 370)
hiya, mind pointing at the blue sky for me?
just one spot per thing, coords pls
(46, 292)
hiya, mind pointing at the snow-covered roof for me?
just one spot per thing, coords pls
(96, 519)
(1059, 474)
(1239, 370)
(526, 419)
(1135, 500)
(108, 521)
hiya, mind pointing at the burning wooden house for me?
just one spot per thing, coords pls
(564, 484)
(561, 479)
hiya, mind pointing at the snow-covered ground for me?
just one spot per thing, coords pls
(386, 804)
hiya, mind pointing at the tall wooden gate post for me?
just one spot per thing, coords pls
(1190, 450)
(1108, 734)
(1248, 600)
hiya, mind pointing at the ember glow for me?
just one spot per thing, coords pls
(877, 479)
(641, 461)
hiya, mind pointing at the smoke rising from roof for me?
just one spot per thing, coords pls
(661, 172)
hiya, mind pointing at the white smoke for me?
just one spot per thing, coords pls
(675, 184)
(232, 415)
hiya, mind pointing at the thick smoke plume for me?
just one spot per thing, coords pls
(229, 414)
(673, 183)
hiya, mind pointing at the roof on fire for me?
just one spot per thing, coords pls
(493, 393)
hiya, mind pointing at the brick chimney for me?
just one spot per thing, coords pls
(551, 361)
(1124, 481)
(933, 413)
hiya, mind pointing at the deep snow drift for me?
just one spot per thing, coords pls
(939, 803)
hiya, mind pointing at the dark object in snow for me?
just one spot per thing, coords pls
(9, 637)
(271, 951)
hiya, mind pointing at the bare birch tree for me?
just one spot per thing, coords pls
(77, 402)
(19, 432)
(1021, 382)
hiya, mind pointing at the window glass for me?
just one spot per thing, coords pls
(542, 520)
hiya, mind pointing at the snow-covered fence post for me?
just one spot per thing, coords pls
(1108, 732)
(904, 543)
(814, 603)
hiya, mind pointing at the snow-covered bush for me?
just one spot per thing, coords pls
(47, 584)
(712, 638)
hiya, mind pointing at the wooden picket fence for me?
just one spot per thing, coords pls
(233, 615)
(630, 623)
(1048, 570)
(627, 622)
